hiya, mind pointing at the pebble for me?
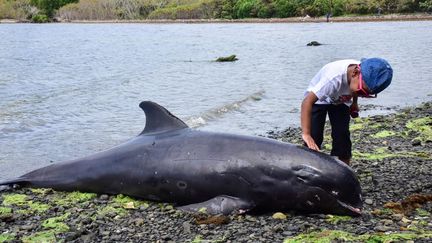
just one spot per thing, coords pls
(382, 228)
(187, 227)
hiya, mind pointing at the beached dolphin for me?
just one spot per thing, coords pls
(217, 172)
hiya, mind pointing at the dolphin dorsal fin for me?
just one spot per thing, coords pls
(159, 119)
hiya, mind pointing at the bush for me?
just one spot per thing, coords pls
(202, 10)
(426, 5)
(40, 18)
(265, 11)
(19, 9)
(246, 8)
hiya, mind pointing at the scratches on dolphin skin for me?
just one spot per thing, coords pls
(153, 197)
(164, 181)
(306, 173)
(302, 179)
(240, 177)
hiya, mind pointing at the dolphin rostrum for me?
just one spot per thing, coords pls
(223, 173)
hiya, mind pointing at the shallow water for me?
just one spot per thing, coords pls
(69, 90)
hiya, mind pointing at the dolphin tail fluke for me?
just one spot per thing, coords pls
(18, 181)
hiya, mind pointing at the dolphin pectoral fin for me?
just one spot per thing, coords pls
(220, 205)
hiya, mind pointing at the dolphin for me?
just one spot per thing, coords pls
(218, 172)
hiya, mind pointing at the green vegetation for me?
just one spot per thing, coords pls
(14, 199)
(335, 219)
(43, 236)
(337, 235)
(65, 199)
(128, 202)
(38, 207)
(423, 126)
(5, 237)
(384, 134)
(56, 224)
(5, 213)
(46, 10)
(383, 152)
(114, 211)
(231, 58)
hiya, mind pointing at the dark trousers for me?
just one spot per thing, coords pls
(339, 116)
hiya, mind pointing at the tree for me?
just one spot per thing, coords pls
(285, 8)
(426, 5)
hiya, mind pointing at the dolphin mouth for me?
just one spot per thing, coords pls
(355, 211)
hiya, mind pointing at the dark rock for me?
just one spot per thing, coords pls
(314, 43)
(416, 142)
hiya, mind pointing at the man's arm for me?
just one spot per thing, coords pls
(354, 108)
(306, 118)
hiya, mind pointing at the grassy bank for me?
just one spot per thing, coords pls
(322, 19)
(392, 157)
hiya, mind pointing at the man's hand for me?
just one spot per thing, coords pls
(354, 110)
(305, 119)
(310, 142)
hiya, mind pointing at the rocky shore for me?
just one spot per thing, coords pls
(392, 157)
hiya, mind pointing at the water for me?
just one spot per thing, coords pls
(69, 90)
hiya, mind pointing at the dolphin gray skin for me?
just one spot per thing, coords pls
(223, 173)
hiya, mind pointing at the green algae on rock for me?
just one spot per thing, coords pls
(47, 236)
(56, 223)
(384, 134)
(129, 203)
(14, 199)
(423, 126)
(5, 210)
(42, 191)
(25, 205)
(38, 207)
(70, 198)
(338, 235)
(382, 153)
(6, 237)
(231, 58)
(111, 210)
(335, 219)
(5, 214)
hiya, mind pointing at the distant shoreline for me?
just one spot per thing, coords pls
(321, 19)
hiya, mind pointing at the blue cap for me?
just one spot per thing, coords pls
(377, 74)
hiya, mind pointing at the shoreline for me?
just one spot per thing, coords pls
(392, 157)
(321, 19)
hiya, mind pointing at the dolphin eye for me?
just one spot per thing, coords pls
(181, 185)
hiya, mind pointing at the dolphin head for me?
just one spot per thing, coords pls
(329, 186)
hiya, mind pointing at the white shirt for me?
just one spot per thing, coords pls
(330, 84)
